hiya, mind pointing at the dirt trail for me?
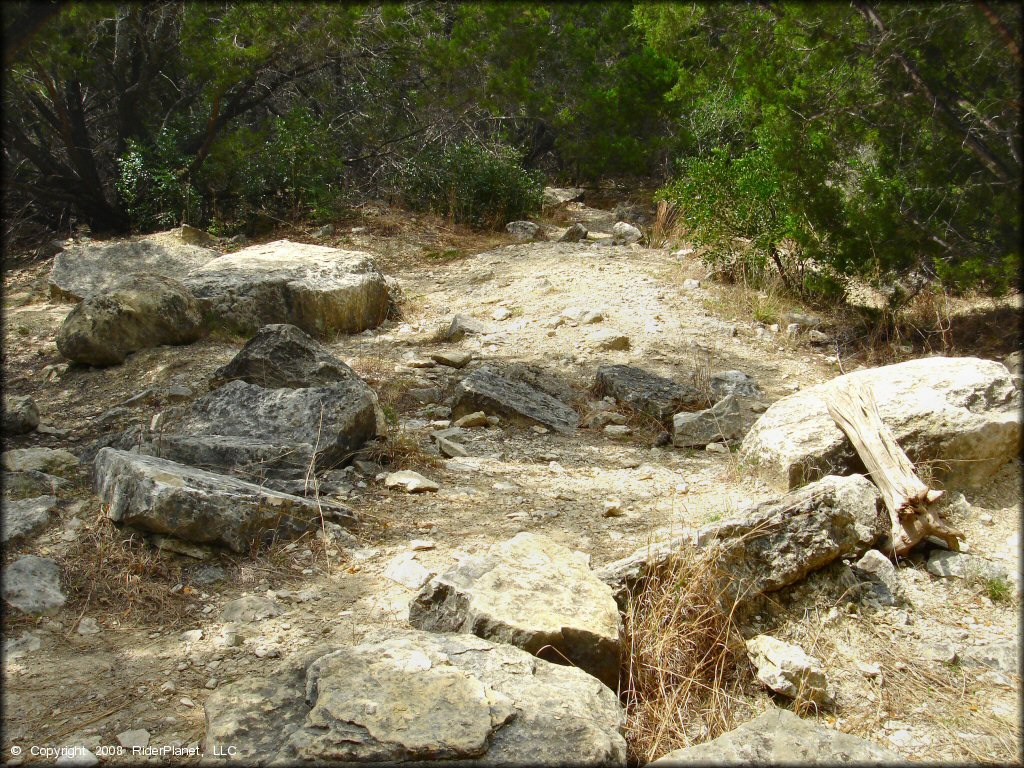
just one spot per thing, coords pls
(138, 672)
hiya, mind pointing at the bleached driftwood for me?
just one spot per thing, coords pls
(909, 501)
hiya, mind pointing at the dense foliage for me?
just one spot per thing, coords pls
(814, 139)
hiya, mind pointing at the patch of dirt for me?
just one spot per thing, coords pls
(138, 672)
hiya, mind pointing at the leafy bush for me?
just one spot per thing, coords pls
(153, 187)
(475, 184)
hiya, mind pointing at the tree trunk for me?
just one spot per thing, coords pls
(907, 498)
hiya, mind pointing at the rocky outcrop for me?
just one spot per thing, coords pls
(32, 585)
(139, 312)
(164, 497)
(722, 422)
(532, 593)
(419, 697)
(53, 461)
(281, 356)
(775, 544)
(20, 415)
(323, 291)
(725, 383)
(87, 270)
(779, 737)
(645, 391)
(556, 196)
(486, 390)
(961, 415)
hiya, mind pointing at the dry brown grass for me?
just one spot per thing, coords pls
(685, 668)
(667, 227)
(117, 572)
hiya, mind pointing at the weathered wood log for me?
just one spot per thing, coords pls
(907, 498)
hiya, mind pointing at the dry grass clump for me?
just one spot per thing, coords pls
(685, 667)
(109, 569)
(667, 227)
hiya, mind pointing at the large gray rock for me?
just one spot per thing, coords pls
(963, 415)
(779, 737)
(775, 544)
(164, 497)
(25, 517)
(532, 593)
(723, 422)
(645, 391)
(574, 234)
(335, 421)
(86, 270)
(623, 232)
(139, 312)
(282, 355)
(32, 585)
(419, 697)
(324, 291)
(20, 415)
(463, 326)
(486, 390)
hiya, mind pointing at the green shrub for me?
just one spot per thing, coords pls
(153, 185)
(483, 186)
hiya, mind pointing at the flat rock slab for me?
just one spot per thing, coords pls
(163, 497)
(486, 390)
(281, 355)
(25, 518)
(647, 392)
(138, 312)
(962, 415)
(323, 291)
(86, 270)
(532, 593)
(779, 737)
(335, 421)
(419, 697)
(276, 465)
(52, 461)
(32, 585)
(776, 543)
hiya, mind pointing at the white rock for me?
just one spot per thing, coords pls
(404, 569)
(787, 669)
(137, 738)
(88, 626)
(410, 482)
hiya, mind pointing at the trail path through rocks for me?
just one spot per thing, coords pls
(145, 674)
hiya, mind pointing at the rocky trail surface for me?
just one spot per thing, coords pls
(525, 478)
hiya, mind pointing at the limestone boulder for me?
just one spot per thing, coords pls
(418, 697)
(779, 737)
(788, 670)
(53, 461)
(525, 231)
(21, 415)
(644, 391)
(533, 593)
(625, 233)
(776, 543)
(138, 312)
(487, 390)
(723, 422)
(556, 196)
(961, 415)
(574, 234)
(87, 270)
(324, 291)
(334, 421)
(164, 497)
